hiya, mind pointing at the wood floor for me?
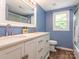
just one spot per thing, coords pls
(61, 54)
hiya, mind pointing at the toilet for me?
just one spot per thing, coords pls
(52, 44)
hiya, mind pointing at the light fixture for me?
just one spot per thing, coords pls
(53, 4)
(33, 1)
(29, 2)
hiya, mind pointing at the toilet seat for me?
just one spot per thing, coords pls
(52, 42)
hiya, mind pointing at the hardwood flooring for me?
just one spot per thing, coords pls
(61, 54)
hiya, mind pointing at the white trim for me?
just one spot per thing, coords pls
(35, 15)
(62, 48)
(73, 28)
(76, 52)
(54, 14)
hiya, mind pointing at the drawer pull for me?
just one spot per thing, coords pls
(25, 57)
(40, 41)
(22, 57)
(41, 57)
(40, 50)
(46, 40)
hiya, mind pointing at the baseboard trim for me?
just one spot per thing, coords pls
(62, 48)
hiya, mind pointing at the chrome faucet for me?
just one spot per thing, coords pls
(8, 30)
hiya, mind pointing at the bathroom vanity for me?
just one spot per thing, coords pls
(25, 46)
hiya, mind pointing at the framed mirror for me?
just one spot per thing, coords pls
(22, 12)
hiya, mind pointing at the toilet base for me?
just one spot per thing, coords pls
(52, 44)
(52, 48)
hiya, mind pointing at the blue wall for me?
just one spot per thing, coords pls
(41, 19)
(2, 31)
(64, 38)
(14, 30)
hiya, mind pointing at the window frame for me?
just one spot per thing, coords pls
(68, 21)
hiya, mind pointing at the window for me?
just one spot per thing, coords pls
(61, 21)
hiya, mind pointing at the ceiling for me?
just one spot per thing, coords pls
(56, 4)
(19, 7)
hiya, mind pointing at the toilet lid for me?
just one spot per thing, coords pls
(52, 42)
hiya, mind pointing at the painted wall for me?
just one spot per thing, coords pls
(14, 30)
(2, 31)
(64, 38)
(41, 19)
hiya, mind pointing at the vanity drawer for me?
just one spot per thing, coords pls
(42, 47)
(40, 53)
(42, 40)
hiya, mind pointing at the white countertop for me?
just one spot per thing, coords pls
(8, 41)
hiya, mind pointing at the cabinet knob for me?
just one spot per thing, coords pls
(41, 57)
(46, 40)
(40, 41)
(40, 50)
(22, 57)
(25, 57)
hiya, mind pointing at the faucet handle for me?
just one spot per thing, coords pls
(8, 29)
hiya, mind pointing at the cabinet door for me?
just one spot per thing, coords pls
(12, 53)
(42, 47)
(30, 49)
(46, 46)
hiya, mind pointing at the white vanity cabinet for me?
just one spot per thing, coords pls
(37, 48)
(42, 47)
(32, 48)
(15, 52)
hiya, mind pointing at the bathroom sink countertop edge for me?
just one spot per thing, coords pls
(9, 41)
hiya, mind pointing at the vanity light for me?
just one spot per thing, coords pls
(20, 7)
(53, 4)
(33, 1)
(29, 2)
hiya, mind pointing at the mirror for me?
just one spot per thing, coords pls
(20, 11)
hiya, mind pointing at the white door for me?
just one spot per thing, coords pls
(12, 53)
